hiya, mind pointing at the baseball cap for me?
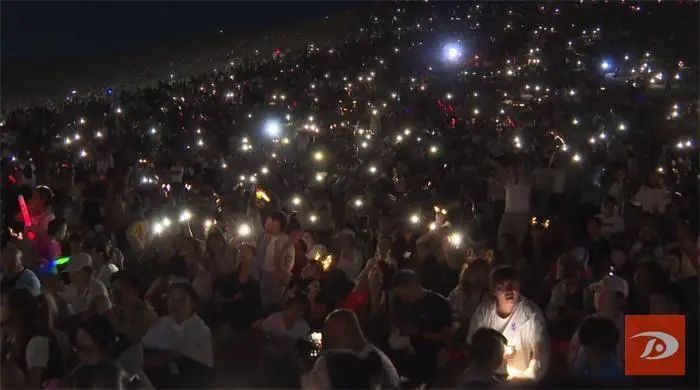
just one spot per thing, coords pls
(78, 261)
(611, 283)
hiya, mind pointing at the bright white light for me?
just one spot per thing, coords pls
(318, 156)
(313, 218)
(264, 170)
(158, 228)
(296, 201)
(319, 177)
(414, 218)
(82, 121)
(83, 153)
(452, 52)
(372, 169)
(244, 230)
(98, 134)
(576, 158)
(574, 121)
(433, 149)
(272, 128)
(166, 222)
(185, 215)
(358, 202)
(455, 239)
(605, 65)
(153, 130)
(449, 96)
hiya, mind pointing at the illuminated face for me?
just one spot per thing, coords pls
(507, 294)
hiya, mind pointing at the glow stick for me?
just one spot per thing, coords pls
(25, 216)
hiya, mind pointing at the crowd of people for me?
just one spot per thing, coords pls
(456, 196)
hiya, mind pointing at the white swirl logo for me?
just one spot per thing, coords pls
(662, 343)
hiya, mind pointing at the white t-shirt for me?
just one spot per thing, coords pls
(105, 272)
(518, 197)
(525, 329)
(37, 352)
(652, 200)
(270, 251)
(351, 265)
(80, 302)
(192, 338)
(274, 324)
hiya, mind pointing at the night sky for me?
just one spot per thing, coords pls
(59, 30)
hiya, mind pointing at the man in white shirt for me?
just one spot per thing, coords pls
(274, 260)
(520, 321)
(85, 294)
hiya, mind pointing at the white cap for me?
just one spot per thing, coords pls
(78, 261)
(611, 283)
(345, 232)
(317, 250)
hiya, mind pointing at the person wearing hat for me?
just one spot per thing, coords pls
(609, 296)
(85, 294)
(425, 318)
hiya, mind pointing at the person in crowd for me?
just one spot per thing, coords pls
(421, 326)
(349, 257)
(648, 247)
(652, 196)
(517, 209)
(49, 246)
(178, 347)
(610, 295)
(103, 268)
(611, 221)
(85, 294)
(130, 315)
(97, 342)
(349, 360)
(599, 338)
(273, 261)
(520, 321)
(288, 324)
(470, 292)
(106, 375)
(486, 352)
(221, 260)
(238, 297)
(14, 274)
(41, 210)
(566, 305)
(30, 344)
(598, 248)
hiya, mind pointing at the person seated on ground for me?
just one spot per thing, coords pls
(288, 324)
(178, 347)
(566, 303)
(610, 295)
(130, 315)
(520, 321)
(238, 298)
(421, 323)
(85, 295)
(611, 221)
(14, 274)
(102, 267)
(30, 345)
(470, 292)
(599, 363)
(486, 351)
(97, 342)
(348, 360)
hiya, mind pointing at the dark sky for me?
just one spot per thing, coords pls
(42, 30)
